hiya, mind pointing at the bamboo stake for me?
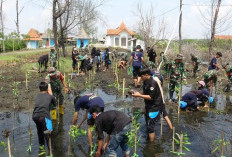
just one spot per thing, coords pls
(78, 69)
(72, 74)
(26, 82)
(50, 145)
(179, 101)
(58, 109)
(173, 140)
(222, 144)
(161, 125)
(181, 143)
(123, 89)
(29, 120)
(9, 149)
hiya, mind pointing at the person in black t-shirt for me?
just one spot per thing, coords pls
(152, 55)
(107, 58)
(116, 124)
(44, 102)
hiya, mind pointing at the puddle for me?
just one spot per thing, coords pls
(202, 128)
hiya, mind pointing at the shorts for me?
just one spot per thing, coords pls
(136, 71)
(150, 122)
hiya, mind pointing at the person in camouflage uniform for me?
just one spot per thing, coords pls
(52, 57)
(228, 69)
(195, 61)
(177, 75)
(210, 78)
(54, 80)
(150, 65)
(165, 61)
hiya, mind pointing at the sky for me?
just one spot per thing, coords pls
(37, 14)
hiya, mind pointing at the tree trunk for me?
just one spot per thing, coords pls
(213, 30)
(17, 21)
(62, 38)
(2, 24)
(54, 20)
(180, 25)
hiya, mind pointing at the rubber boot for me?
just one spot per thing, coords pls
(61, 109)
(227, 88)
(53, 114)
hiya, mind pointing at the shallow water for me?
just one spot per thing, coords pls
(202, 127)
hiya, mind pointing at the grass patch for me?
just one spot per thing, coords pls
(28, 66)
(66, 65)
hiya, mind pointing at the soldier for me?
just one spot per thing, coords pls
(177, 75)
(195, 62)
(54, 80)
(210, 78)
(228, 69)
(165, 61)
(150, 65)
(52, 57)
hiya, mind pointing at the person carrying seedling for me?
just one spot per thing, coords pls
(228, 69)
(137, 60)
(87, 102)
(116, 124)
(195, 62)
(213, 64)
(153, 99)
(44, 102)
(177, 76)
(54, 80)
(210, 79)
(52, 57)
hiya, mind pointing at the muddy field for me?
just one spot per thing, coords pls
(202, 128)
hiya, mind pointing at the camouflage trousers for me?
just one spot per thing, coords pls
(195, 69)
(174, 85)
(59, 97)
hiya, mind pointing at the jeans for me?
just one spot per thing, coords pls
(119, 139)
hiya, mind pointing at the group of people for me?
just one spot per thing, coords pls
(116, 124)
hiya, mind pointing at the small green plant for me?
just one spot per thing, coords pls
(3, 146)
(29, 148)
(220, 143)
(42, 150)
(133, 139)
(74, 132)
(184, 142)
(93, 150)
(1, 77)
(15, 90)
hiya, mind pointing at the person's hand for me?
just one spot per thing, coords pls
(66, 89)
(98, 153)
(78, 126)
(136, 94)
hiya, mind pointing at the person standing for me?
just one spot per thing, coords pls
(152, 55)
(116, 124)
(176, 76)
(228, 69)
(137, 61)
(87, 102)
(106, 59)
(74, 58)
(210, 79)
(52, 57)
(213, 64)
(195, 62)
(44, 102)
(54, 80)
(165, 61)
(153, 101)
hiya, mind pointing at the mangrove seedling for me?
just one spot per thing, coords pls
(74, 132)
(15, 90)
(93, 151)
(6, 134)
(3, 146)
(220, 143)
(182, 141)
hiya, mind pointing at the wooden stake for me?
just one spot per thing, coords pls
(181, 143)
(9, 149)
(50, 145)
(72, 74)
(179, 101)
(123, 88)
(78, 69)
(222, 144)
(173, 140)
(161, 125)
(26, 82)
(29, 119)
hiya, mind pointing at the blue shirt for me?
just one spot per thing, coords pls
(211, 65)
(137, 58)
(88, 101)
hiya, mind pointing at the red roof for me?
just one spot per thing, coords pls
(33, 35)
(226, 37)
(121, 28)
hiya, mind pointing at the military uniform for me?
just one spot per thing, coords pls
(196, 60)
(54, 80)
(53, 58)
(165, 60)
(177, 76)
(210, 75)
(150, 64)
(229, 75)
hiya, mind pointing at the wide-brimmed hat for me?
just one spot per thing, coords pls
(52, 70)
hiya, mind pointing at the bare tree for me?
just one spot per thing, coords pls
(148, 28)
(2, 25)
(17, 18)
(180, 25)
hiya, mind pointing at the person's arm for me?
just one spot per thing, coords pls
(131, 58)
(75, 118)
(63, 82)
(143, 61)
(49, 89)
(137, 94)
(100, 135)
(100, 144)
(84, 119)
(106, 142)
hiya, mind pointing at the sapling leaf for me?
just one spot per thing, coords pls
(215, 149)
(178, 135)
(177, 141)
(186, 149)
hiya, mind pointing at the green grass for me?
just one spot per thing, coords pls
(28, 66)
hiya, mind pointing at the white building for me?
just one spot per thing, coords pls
(121, 37)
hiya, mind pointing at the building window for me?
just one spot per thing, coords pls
(123, 41)
(116, 41)
(129, 42)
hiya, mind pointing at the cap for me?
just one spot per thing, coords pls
(179, 56)
(75, 49)
(52, 70)
(201, 83)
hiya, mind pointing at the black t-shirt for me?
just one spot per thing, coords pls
(107, 56)
(152, 55)
(110, 122)
(43, 104)
(151, 87)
